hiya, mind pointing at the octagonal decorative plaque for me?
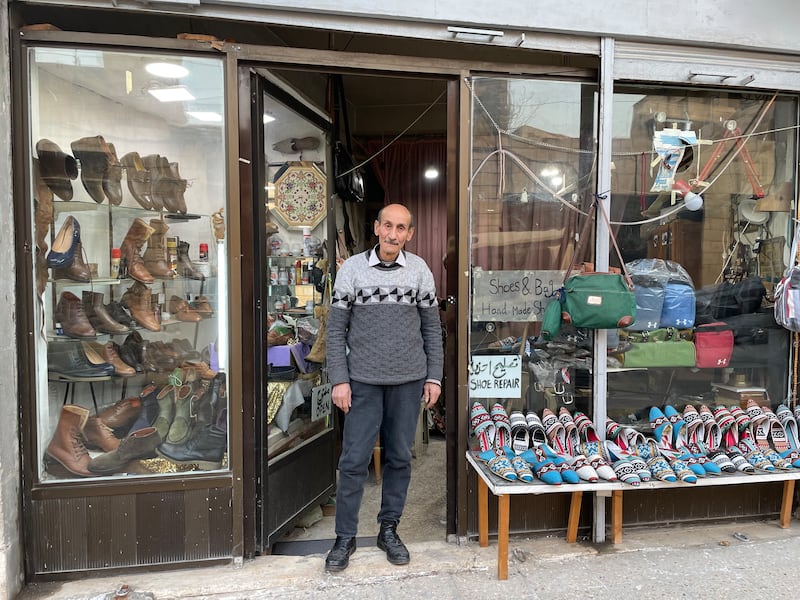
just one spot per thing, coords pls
(300, 195)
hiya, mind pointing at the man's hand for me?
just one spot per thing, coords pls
(342, 396)
(430, 394)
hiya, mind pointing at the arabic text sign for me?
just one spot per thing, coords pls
(513, 295)
(495, 376)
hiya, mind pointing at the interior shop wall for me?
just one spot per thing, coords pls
(10, 546)
(743, 25)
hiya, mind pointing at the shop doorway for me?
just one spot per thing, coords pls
(396, 131)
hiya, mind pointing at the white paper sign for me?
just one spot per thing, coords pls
(495, 376)
(321, 401)
(513, 295)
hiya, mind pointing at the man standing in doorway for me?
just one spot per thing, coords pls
(384, 354)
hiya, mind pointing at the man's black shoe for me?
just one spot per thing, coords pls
(339, 556)
(390, 542)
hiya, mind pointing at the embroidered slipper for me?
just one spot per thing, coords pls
(554, 430)
(519, 464)
(482, 426)
(625, 472)
(695, 428)
(543, 467)
(722, 460)
(570, 431)
(658, 465)
(499, 465)
(662, 428)
(727, 426)
(786, 418)
(679, 433)
(776, 432)
(713, 434)
(535, 429)
(591, 450)
(585, 428)
(626, 438)
(759, 423)
(568, 474)
(582, 467)
(502, 425)
(520, 438)
(614, 453)
(699, 452)
(755, 456)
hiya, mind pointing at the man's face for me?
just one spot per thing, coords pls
(393, 231)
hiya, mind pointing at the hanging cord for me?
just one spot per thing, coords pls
(397, 137)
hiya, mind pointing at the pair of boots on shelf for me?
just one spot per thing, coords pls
(84, 317)
(155, 182)
(164, 357)
(155, 262)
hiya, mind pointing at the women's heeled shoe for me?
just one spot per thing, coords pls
(62, 253)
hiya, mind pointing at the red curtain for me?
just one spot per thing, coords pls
(401, 168)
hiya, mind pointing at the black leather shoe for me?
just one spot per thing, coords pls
(339, 556)
(390, 542)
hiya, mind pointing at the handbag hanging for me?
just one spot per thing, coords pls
(787, 292)
(597, 300)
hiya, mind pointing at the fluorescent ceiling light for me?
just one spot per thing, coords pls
(167, 70)
(268, 118)
(171, 94)
(207, 117)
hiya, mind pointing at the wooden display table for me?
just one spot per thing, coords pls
(505, 489)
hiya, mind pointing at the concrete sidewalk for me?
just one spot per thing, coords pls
(714, 561)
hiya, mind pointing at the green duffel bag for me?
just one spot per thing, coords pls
(660, 348)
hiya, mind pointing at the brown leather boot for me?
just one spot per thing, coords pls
(155, 167)
(43, 215)
(99, 435)
(66, 448)
(131, 248)
(180, 309)
(138, 179)
(73, 319)
(137, 300)
(78, 270)
(112, 181)
(98, 314)
(178, 185)
(185, 267)
(95, 157)
(155, 257)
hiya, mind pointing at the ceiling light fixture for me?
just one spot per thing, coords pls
(431, 173)
(166, 70)
(171, 94)
(206, 117)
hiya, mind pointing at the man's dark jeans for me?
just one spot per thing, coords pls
(391, 411)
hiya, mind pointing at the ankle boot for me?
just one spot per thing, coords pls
(138, 179)
(185, 267)
(131, 351)
(166, 411)
(99, 317)
(155, 167)
(137, 299)
(73, 319)
(390, 542)
(131, 248)
(138, 444)
(181, 425)
(95, 157)
(149, 401)
(202, 405)
(121, 414)
(205, 447)
(178, 189)
(43, 214)
(99, 436)
(57, 168)
(112, 180)
(77, 270)
(66, 448)
(155, 257)
(119, 314)
(180, 310)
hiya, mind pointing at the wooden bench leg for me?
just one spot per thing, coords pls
(483, 513)
(574, 517)
(503, 503)
(616, 516)
(376, 459)
(786, 503)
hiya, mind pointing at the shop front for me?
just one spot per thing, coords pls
(180, 233)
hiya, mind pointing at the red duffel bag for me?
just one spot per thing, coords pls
(713, 345)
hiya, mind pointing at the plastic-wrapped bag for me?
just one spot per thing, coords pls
(307, 329)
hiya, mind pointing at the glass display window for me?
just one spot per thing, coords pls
(129, 194)
(533, 177)
(295, 194)
(703, 195)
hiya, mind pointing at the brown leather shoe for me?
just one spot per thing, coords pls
(180, 310)
(155, 167)
(112, 182)
(73, 319)
(77, 270)
(98, 314)
(122, 413)
(95, 158)
(155, 257)
(138, 444)
(203, 306)
(99, 435)
(178, 189)
(137, 300)
(97, 353)
(138, 179)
